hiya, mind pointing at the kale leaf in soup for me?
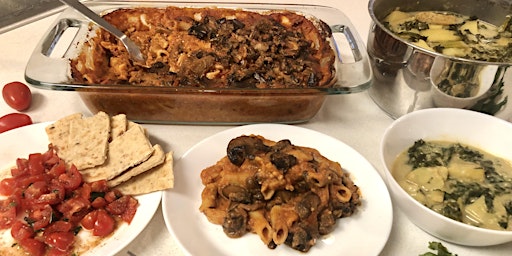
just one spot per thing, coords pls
(459, 181)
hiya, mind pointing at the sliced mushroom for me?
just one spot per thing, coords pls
(283, 161)
(236, 193)
(309, 203)
(245, 147)
(235, 222)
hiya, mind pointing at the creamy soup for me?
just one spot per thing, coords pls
(458, 181)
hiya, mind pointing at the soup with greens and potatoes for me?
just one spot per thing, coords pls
(454, 34)
(459, 181)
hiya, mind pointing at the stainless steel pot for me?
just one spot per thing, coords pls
(407, 78)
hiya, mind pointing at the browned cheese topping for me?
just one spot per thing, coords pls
(210, 47)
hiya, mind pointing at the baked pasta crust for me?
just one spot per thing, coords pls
(210, 47)
(285, 193)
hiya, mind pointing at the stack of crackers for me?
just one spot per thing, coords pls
(115, 149)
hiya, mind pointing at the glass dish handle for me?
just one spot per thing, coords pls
(352, 64)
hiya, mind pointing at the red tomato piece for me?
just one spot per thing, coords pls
(35, 190)
(58, 226)
(99, 202)
(40, 217)
(73, 207)
(130, 211)
(89, 220)
(118, 206)
(99, 186)
(17, 95)
(14, 120)
(33, 247)
(62, 241)
(56, 194)
(71, 179)
(50, 157)
(7, 212)
(113, 195)
(57, 169)
(20, 231)
(104, 224)
(7, 186)
(35, 164)
(21, 167)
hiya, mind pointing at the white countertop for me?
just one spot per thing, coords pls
(353, 119)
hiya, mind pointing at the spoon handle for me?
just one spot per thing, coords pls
(132, 48)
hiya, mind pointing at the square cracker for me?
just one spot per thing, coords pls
(118, 125)
(58, 134)
(128, 150)
(88, 141)
(155, 159)
(158, 178)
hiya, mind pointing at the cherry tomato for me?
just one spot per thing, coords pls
(14, 120)
(17, 95)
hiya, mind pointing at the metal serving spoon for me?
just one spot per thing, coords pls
(131, 47)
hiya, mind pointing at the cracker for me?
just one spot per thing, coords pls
(118, 125)
(58, 134)
(157, 158)
(158, 178)
(88, 141)
(128, 150)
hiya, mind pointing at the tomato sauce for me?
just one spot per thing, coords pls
(46, 204)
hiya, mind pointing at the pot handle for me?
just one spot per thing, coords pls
(353, 71)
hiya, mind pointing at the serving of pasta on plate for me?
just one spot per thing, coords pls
(286, 194)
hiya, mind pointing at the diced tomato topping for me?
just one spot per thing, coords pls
(7, 212)
(58, 226)
(20, 231)
(104, 224)
(47, 202)
(89, 220)
(71, 179)
(99, 186)
(57, 169)
(21, 167)
(99, 202)
(35, 164)
(130, 211)
(73, 206)
(7, 186)
(40, 217)
(113, 195)
(33, 247)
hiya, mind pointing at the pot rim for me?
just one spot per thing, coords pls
(376, 21)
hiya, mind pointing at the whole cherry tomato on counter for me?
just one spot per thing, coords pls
(14, 120)
(17, 95)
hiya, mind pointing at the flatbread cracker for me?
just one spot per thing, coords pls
(158, 178)
(88, 141)
(118, 125)
(157, 158)
(58, 134)
(128, 150)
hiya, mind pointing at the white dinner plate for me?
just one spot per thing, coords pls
(364, 233)
(25, 140)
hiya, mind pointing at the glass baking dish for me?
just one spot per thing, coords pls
(49, 68)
